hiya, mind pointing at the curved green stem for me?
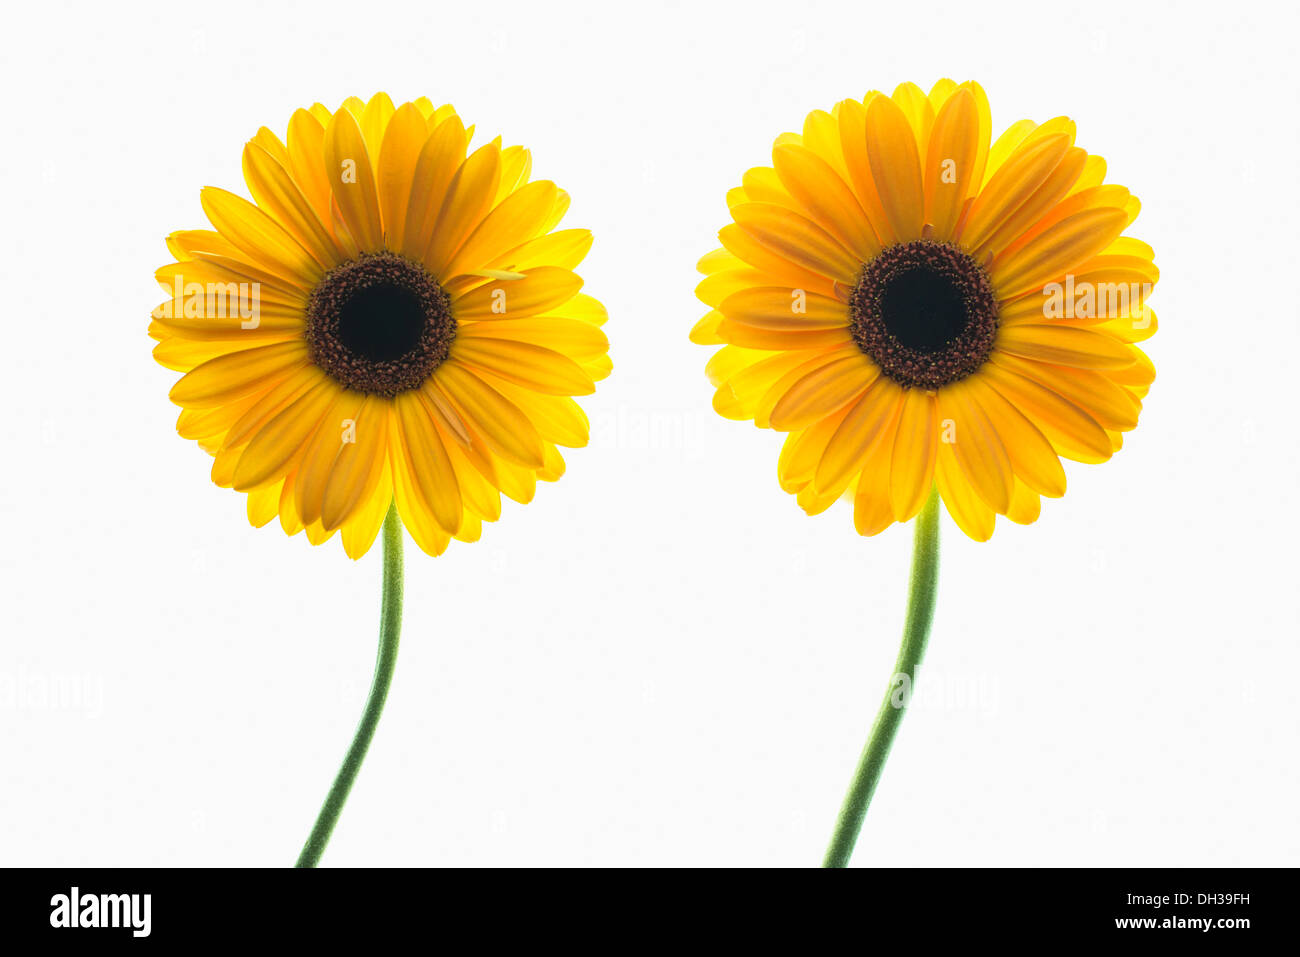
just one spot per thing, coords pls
(390, 629)
(916, 632)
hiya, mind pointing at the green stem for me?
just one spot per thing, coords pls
(390, 629)
(916, 632)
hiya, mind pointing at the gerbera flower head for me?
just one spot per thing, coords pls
(392, 318)
(916, 307)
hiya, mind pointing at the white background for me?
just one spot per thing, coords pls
(662, 660)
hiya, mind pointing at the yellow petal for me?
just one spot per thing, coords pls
(523, 363)
(259, 237)
(895, 167)
(542, 289)
(976, 445)
(911, 469)
(950, 165)
(826, 199)
(270, 403)
(967, 509)
(1064, 345)
(872, 511)
(506, 429)
(352, 181)
(360, 530)
(798, 240)
(1013, 183)
(781, 308)
(358, 466)
(469, 197)
(1025, 505)
(822, 392)
(439, 159)
(1072, 432)
(276, 192)
(306, 146)
(769, 266)
(871, 419)
(270, 452)
(1032, 457)
(1051, 191)
(852, 117)
(1050, 255)
(566, 249)
(427, 462)
(230, 376)
(520, 216)
(1112, 406)
(399, 153)
(572, 337)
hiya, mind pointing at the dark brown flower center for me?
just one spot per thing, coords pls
(925, 312)
(379, 324)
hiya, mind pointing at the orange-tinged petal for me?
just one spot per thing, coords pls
(1051, 191)
(523, 363)
(358, 466)
(781, 308)
(439, 159)
(895, 167)
(852, 116)
(317, 457)
(271, 402)
(1032, 457)
(565, 248)
(259, 237)
(950, 164)
(803, 451)
(826, 199)
(1051, 254)
(798, 240)
(541, 290)
(822, 392)
(872, 510)
(1114, 407)
(741, 389)
(428, 463)
(276, 192)
(399, 152)
(271, 451)
(753, 337)
(1023, 173)
(1064, 345)
(306, 147)
(976, 445)
(770, 266)
(470, 195)
(967, 509)
(230, 376)
(352, 181)
(506, 429)
(359, 532)
(1072, 432)
(1025, 505)
(572, 337)
(520, 216)
(873, 417)
(911, 470)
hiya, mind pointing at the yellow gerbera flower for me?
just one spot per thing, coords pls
(916, 308)
(390, 320)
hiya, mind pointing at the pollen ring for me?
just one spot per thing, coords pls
(925, 312)
(379, 324)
